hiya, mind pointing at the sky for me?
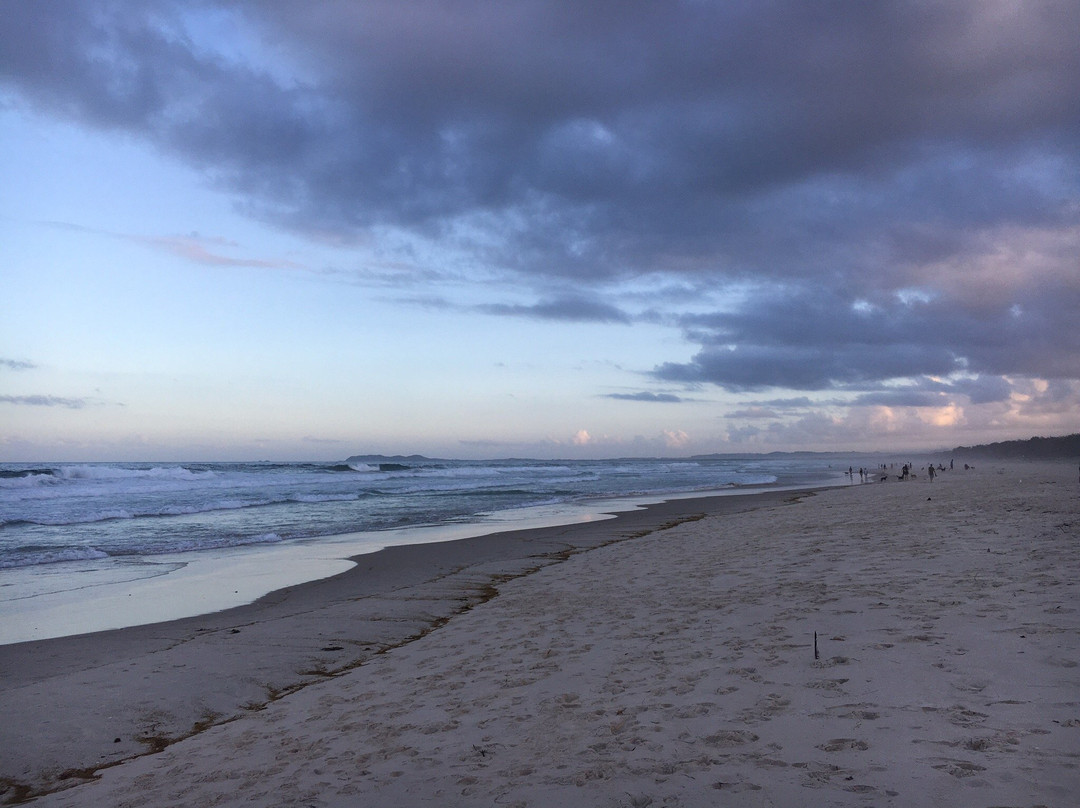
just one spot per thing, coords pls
(544, 228)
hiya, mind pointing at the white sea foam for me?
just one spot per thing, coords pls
(123, 509)
(30, 481)
(106, 472)
(52, 556)
(323, 498)
(363, 468)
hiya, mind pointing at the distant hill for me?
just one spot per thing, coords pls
(393, 462)
(378, 458)
(1030, 449)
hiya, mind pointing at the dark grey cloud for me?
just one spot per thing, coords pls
(45, 401)
(832, 157)
(934, 392)
(17, 364)
(624, 128)
(983, 389)
(903, 398)
(753, 413)
(664, 398)
(815, 338)
(569, 309)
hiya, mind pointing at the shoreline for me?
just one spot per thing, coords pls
(61, 600)
(122, 693)
(658, 657)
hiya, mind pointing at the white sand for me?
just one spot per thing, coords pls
(678, 669)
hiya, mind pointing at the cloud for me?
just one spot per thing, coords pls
(983, 389)
(666, 398)
(199, 249)
(869, 193)
(16, 364)
(754, 413)
(45, 401)
(808, 338)
(594, 140)
(676, 439)
(801, 402)
(902, 398)
(569, 309)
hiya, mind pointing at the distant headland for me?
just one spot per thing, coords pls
(1030, 449)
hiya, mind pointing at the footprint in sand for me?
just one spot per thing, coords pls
(726, 739)
(840, 744)
(959, 768)
(854, 711)
(962, 717)
(818, 775)
(735, 788)
(833, 685)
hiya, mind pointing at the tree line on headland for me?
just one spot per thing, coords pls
(1030, 449)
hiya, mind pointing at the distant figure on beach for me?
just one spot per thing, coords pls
(931, 472)
(950, 465)
(904, 472)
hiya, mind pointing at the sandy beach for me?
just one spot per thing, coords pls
(665, 657)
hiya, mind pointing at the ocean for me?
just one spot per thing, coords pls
(72, 532)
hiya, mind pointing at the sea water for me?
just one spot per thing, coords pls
(75, 537)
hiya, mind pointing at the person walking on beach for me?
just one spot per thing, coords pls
(932, 472)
